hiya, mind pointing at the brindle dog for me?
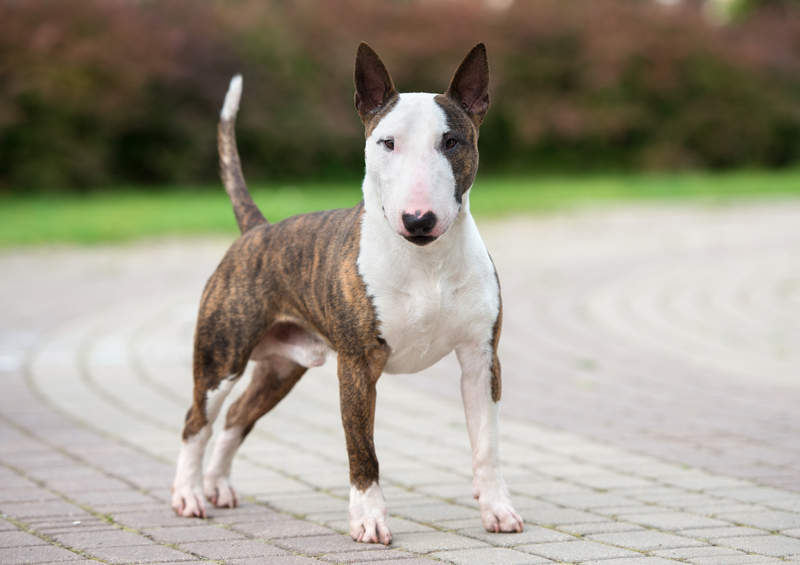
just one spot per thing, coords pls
(391, 285)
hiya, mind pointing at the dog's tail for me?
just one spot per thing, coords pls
(247, 213)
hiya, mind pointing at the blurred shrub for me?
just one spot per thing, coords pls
(100, 91)
(743, 8)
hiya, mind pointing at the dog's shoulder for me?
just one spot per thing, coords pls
(308, 265)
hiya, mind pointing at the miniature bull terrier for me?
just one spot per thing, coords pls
(391, 285)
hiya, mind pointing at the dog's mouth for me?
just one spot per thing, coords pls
(420, 239)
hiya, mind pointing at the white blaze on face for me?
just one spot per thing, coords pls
(215, 398)
(415, 176)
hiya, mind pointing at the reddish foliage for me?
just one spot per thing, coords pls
(94, 91)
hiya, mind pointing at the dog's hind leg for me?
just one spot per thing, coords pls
(272, 379)
(187, 495)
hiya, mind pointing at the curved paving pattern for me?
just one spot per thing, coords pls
(674, 332)
(650, 413)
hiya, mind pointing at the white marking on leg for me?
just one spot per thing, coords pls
(216, 481)
(368, 515)
(187, 496)
(187, 488)
(215, 398)
(497, 513)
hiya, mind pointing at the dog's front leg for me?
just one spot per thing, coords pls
(358, 375)
(480, 390)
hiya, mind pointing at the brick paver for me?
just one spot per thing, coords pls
(650, 407)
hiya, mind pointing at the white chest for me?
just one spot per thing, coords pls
(429, 299)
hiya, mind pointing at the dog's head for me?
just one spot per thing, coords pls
(422, 149)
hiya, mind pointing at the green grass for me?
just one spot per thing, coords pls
(124, 214)
(502, 196)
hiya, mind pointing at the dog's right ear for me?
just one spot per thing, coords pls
(374, 86)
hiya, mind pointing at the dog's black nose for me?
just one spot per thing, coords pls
(419, 224)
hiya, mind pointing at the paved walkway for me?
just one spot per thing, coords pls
(651, 407)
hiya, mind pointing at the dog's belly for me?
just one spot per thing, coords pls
(289, 340)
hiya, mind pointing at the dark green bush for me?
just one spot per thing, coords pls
(94, 92)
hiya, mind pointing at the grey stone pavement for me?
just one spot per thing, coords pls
(651, 409)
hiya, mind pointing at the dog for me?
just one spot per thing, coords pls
(391, 285)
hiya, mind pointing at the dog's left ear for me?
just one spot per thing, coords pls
(374, 86)
(469, 87)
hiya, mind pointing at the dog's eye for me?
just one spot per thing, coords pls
(450, 142)
(388, 143)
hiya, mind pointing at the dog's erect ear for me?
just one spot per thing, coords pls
(470, 85)
(374, 86)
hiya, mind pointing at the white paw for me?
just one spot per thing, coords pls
(220, 492)
(497, 513)
(370, 530)
(188, 501)
(368, 516)
(500, 517)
